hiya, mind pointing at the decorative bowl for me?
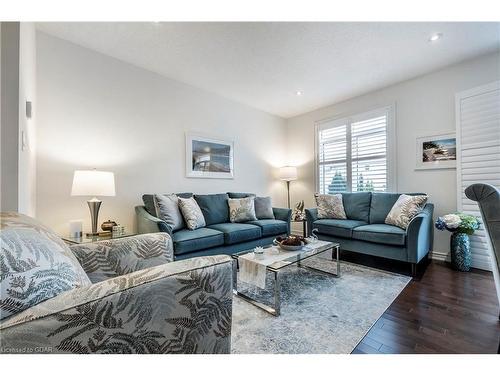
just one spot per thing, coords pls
(281, 243)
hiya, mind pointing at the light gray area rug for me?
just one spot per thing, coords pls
(319, 313)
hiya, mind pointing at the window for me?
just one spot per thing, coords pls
(353, 154)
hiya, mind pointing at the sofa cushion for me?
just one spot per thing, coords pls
(167, 209)
(357, 205)
(186, 241)
(149, 203)
(330, 206)
(405, 209)
(214, 207)
(35, 264)
(271, 227)
(264, 208)
(237, 232)
(380, 233)
(192, 214)
(240, 195)
(241, 210)
(337, 227)
(380, 206)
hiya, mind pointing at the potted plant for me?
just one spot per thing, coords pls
(461, 226)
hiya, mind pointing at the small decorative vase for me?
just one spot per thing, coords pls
(461, 258)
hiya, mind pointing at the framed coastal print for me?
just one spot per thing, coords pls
(436, 151)
(208, 157)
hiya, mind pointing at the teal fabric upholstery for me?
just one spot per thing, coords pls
(337, 227)
(381, 205)
(270, 227)
(380, 239)
(214, 208)
(237, 232)
(188, 244)
(233, 195)
(229, 250)
(380, 233)
(186, 241)
(357, 205)
(149, 202)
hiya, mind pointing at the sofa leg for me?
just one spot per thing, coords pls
(413, 270)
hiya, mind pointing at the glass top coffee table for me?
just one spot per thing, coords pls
(275, 260)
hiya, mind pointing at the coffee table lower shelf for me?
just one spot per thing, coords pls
(276, 309)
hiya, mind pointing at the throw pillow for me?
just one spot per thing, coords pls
(405, 209)
(241, 210)
(192, 213)
(330, 206)
(264, 208)
(167, 209)
(35, 264)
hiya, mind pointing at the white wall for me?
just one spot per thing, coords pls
(96, 111)
(424, 105)
(27, 92)
(18, 172)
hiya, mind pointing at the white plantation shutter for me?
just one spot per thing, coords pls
(478, 157)
(352, 153)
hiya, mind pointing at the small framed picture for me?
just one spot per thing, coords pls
(208, 157)
(436, 151)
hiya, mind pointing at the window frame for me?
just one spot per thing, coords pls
(332, 122)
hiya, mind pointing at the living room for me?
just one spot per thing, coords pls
(229, 187)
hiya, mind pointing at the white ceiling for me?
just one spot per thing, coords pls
(264, 64)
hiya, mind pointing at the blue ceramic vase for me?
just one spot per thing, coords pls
(461, 258)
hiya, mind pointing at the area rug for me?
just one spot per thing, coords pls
(319, 313)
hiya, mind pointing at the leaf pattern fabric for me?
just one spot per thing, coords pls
(330, 206)
(105, 259)
(405, 209)
(35, 265)
(192, 213)
(178, 307)
(241, 210)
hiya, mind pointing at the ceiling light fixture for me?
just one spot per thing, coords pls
(435, 37)
(298, 93)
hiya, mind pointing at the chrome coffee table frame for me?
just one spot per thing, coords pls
(276, 267)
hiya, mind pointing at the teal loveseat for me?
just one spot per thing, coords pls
(219, 236)
(364, 230)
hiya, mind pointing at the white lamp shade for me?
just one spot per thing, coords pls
(93, 183)
(288, 173)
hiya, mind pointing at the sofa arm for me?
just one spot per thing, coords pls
(311, 217)
(157, 310)
(420, 234)
(147, 223)
(106, 259)
(284, 214)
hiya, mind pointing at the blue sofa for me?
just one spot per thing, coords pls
(219, 236)
(364, 230)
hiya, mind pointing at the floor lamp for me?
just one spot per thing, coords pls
(288, 174)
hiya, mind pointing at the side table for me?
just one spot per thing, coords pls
(304, 226)
(102, 237)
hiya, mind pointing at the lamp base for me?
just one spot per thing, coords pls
(94, 206)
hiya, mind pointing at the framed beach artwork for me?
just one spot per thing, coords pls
(209, 157)
(437, 151)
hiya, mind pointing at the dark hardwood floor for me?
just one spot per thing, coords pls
(442, 311)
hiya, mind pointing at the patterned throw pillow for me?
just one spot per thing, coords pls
(405, 209)
(192, 213)
(241, 210)
(264, 208)
(35, 264)
(330, 206)
(167, 209)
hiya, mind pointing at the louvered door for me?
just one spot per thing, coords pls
(478, 157)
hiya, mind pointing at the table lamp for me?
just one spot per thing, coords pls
(93, 183)
(288, 174)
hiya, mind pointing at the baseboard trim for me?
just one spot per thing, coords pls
(437, 255)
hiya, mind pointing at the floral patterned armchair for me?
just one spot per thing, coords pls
(130, 299)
